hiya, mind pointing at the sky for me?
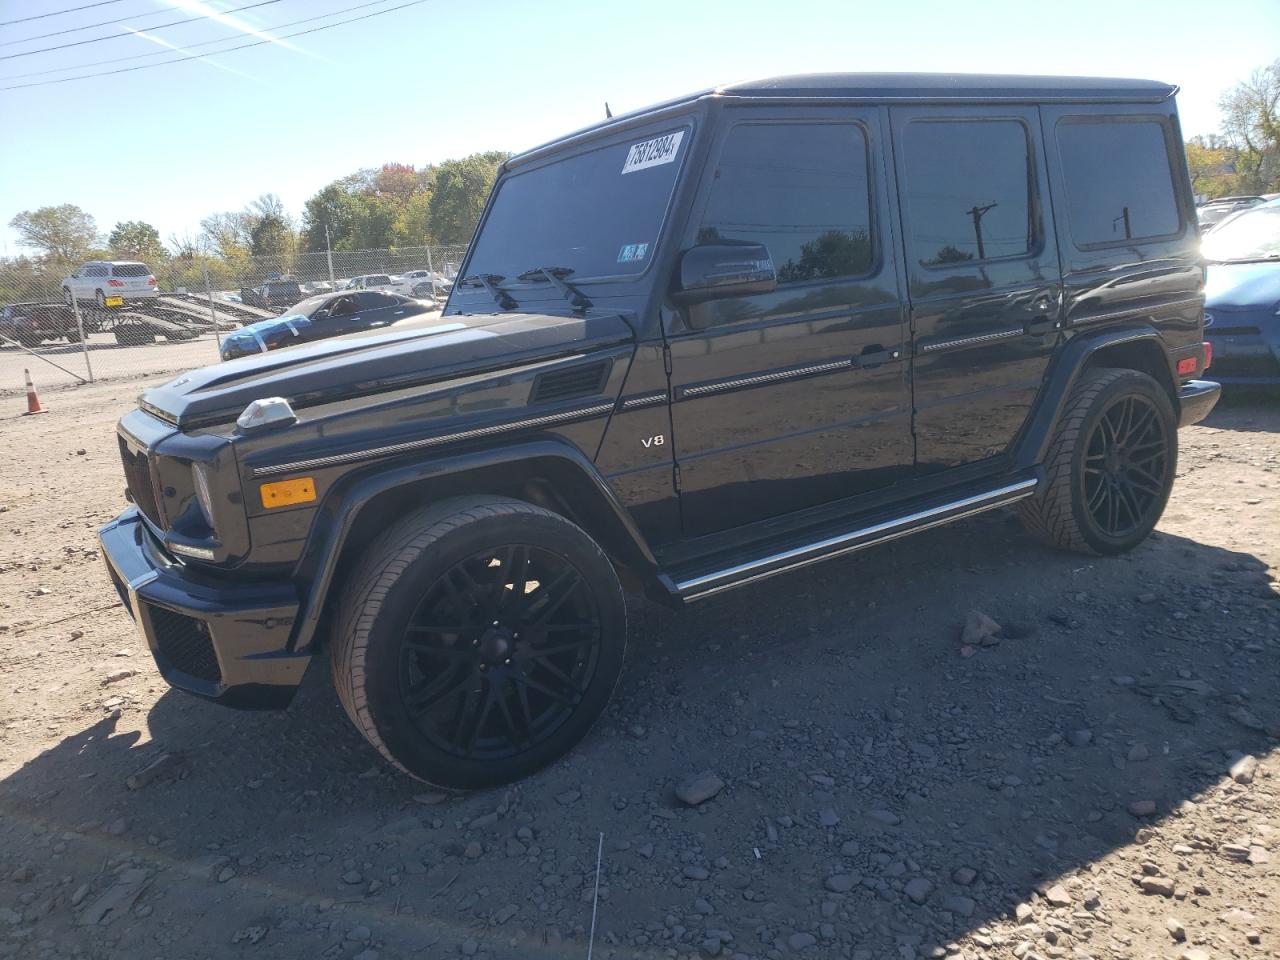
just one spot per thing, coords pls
(441, 79)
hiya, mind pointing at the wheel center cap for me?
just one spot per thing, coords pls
(495, 646)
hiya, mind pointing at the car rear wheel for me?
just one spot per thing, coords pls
(478, 640)
(1110, 465)
(100, 299)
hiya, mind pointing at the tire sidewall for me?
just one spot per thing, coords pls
(1133, 382)
(396, 726)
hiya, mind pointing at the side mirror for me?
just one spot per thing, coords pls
(711, 271)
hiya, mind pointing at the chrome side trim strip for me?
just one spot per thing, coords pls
(644, 400)
(797, 557)
(702, 389)
(1137, 311)
(394, 448)
(969, 341)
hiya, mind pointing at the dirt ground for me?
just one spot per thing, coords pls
(1099, 781)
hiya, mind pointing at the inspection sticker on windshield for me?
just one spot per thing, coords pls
(653, 153)
(631, 252)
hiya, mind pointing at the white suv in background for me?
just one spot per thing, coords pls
(99, 280)
(379, 281)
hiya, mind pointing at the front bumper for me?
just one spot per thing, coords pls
(1196, 399)
(1246, 358)
(222, 641)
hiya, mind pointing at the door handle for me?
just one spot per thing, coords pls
(1038, 326)
(874, 355)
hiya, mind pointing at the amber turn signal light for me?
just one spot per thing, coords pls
(285, 493)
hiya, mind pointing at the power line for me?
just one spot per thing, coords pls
(189, 46)
(87, 26)
(57, 13)
(243, 46)
(126, 33)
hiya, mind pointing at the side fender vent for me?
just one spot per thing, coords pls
(584, 381)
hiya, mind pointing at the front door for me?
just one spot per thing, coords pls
(984, 279)
(797, 397)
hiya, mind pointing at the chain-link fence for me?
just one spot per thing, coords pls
(69, 323)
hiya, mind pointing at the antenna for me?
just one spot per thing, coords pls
(608, 114)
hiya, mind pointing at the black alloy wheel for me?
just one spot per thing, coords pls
(1126, 466)
(478, 639)
(500, 652)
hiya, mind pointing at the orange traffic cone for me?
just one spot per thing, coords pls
(33, 401)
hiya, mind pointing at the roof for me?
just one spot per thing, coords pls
(881, 87)
(952, 86)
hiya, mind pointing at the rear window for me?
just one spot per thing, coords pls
(283, 288)
(1119, 181)
(130, 270)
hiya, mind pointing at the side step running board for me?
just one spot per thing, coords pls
(710, 584)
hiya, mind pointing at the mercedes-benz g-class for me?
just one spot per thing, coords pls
(690, 348)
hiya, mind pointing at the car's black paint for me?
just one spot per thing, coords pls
(691, 436)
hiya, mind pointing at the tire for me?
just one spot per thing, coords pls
(28, 338)
(464, 716)
(66, 296)
(100, 299)
(1110, 465)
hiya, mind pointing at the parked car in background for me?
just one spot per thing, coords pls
(318, 318)
(1242, 296)
(1213, 212)
(31, 324)
(380, 281)
(110, 283)
(424, 283)
(273, 295)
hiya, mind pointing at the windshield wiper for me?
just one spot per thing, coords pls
(490, 282)
(556, 276)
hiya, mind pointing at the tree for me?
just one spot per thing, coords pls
(461, 188)
(226, 234)
(335, 207)
(1251, 123)
(64, 232)
(137, 241)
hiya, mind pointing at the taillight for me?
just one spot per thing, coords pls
(151, 281)
(1208, 353)
(1187, 365)
(115, 283)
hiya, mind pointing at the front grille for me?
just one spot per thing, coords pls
(185, 643)
(1229, 366)
(137, 475)
(1235, 331)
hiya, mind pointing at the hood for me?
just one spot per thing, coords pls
(287, 324)
(1242, 286)
(411, 353)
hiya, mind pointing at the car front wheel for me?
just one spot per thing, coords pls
(1110, 465)
(478, 640)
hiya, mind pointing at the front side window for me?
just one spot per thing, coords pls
(968, 190)
(801, 190)
(595, 214)
(1119, 182)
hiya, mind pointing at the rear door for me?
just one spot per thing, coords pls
(797, 397)
(983, 276)
(375, 308)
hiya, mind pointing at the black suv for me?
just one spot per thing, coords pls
(692, 347)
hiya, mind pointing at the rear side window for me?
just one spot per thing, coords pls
(373, 300)
(968, 190)
(1118, 181)
(802, 191)
(130, 270)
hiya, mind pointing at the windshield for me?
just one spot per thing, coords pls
(597, 213)
(1253, 235)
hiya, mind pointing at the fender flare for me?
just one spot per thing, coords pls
(1061, 377)
(606, 519)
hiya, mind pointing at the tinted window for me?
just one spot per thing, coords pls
(95, 271)
(802, 191)
(130, 270)
(968, 190)
(372, 300)
(1119, 185)
(596, 213)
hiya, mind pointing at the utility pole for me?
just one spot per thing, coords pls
(328, 252)
(977, 213)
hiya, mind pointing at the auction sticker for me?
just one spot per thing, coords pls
(653, 153)
(632, 252)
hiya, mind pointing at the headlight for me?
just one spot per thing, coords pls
(201, 482)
